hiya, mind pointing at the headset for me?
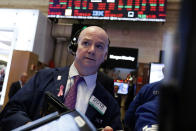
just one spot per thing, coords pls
(73, 45)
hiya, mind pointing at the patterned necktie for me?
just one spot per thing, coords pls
(70, 98)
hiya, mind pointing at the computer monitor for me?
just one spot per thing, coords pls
(119, 57)
(123, 87)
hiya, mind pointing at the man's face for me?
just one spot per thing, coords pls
(24, 79)
(92, 50)
(115, 88)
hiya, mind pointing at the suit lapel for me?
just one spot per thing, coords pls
(60, 79)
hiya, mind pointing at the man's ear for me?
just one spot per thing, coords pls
(106, 55)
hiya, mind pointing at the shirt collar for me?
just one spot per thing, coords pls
(73, 71)
(90, 79)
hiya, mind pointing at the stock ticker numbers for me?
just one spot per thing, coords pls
(135, 10)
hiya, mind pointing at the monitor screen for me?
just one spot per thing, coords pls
(122, 87)
(156, 73)
(121, 58)
(129, 10)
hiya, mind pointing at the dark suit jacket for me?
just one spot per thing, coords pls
(107, 82)
(27, 104)
(135, 115)
(14, 88)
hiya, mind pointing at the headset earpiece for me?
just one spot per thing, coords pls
(72, 48)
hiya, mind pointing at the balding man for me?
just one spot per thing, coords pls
(18, 84)
(90, 96)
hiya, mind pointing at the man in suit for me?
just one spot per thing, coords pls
(18, 84)
(92, 49)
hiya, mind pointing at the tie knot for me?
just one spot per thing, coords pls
(78, 79)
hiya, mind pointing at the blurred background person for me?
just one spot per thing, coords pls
(18, 84)
(116, 95)
(131, 78)
(2, 75)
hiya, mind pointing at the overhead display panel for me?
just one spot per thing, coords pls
(129, 10)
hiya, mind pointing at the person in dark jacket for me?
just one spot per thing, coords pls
(27, 104)
(146, 116)
(143, 110)
(18, 84)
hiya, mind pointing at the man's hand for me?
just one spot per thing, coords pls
(107, 128)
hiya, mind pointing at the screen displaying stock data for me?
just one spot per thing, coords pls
(129, 10)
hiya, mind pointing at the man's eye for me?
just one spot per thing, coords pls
(100, 46)
(85, 43)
